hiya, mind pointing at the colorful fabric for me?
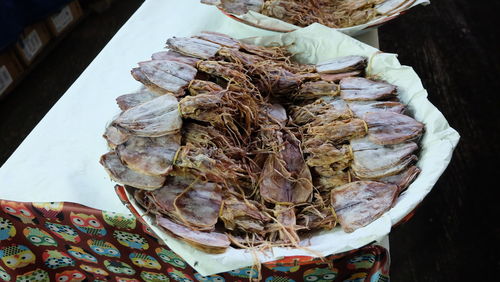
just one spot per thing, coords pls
(70, 242)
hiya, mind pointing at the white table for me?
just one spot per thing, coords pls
(58, 161)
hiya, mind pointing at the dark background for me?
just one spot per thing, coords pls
(453, 46)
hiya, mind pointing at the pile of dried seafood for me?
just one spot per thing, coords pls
(235, 144)
(331, 13)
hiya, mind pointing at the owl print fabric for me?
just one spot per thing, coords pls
(70, 242)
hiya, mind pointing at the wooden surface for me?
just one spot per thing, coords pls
(450, 44)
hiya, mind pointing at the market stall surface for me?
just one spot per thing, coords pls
(450, 44)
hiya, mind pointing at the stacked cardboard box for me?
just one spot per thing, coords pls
(16, 60)
(32, 41)
(10, 70)
(66, 17)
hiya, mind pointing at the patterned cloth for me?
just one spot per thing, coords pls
(61, 241)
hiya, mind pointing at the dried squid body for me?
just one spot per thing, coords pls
(362, 89)
(229, 71)
(318, 215)
(322, 110)
(361, 202)
(236, 7)
(242, 214)
(371, 161)
(188, 200)
(211, 163)
(286, 177)
(138, 75)
(176, 57)
(237, 56)
(277, 113)
(361, 108)
(285, 216)
(197, 87)
(342, 65)
(219, 38)
(317, 89)
(150, 155)
(387, 6)
(388, 128)
(193, 47)
(337, 77)
(122, 174)
(338, 131)
(326, 154)
(275, 80)
(154, 118)
(128, 101)
(115, 136)
(403, 179)
(199, 204)
(210, 242)
(169, 75)
(163, 198)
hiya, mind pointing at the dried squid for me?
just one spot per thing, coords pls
(233, 144)
(332, 13)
